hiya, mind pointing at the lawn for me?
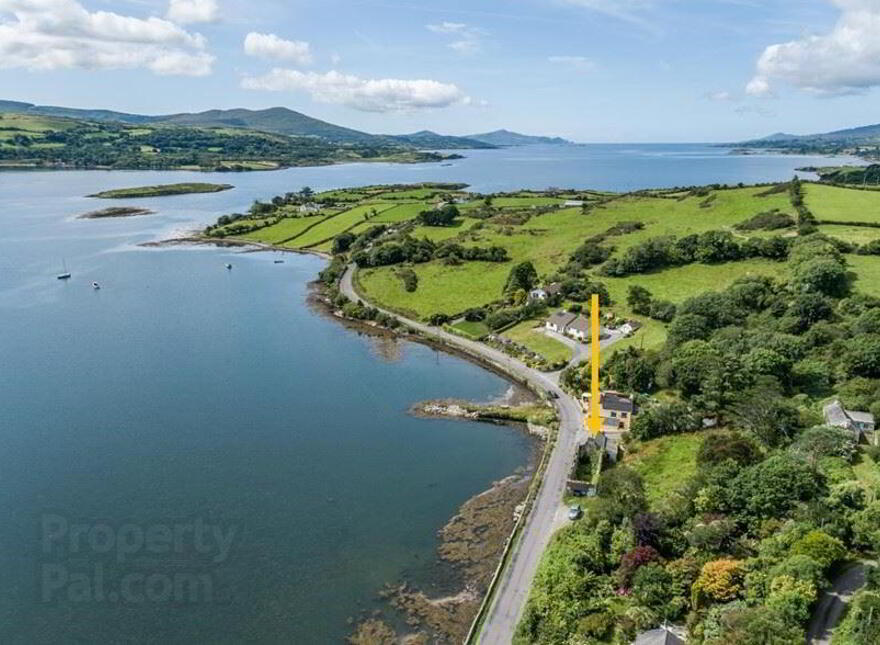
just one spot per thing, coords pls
(843, 204)
(472, 329)
(528, 333)
(665, 464)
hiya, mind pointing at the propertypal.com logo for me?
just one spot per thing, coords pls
(133, 563)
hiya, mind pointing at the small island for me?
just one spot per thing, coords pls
(162, 190)
(116, 211)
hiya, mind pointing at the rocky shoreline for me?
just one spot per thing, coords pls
(471, 544)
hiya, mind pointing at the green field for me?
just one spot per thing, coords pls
(665, 464)
(286, 229)
(162, 190)
(337, 224)
(528, 334)
(852, 234)
(866, 273)
(837, 204)
(548, 239)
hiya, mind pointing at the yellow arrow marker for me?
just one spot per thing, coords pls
(595, 421)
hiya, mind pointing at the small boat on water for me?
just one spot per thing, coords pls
(65, 274)
(229, 266)
(279, 261)
(95, 286)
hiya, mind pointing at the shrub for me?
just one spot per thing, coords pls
(821, 547)
(409, 278)
(718, 447)
(825, 441)
(632, 561)
(664, 419)
(719, 581)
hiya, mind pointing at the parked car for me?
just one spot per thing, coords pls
(574, 513)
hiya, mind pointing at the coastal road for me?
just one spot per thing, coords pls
(513, 588)
(832, 603)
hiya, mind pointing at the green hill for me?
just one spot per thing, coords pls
(278, 120)
(508, 138)
(428, 139)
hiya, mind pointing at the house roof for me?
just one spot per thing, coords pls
(581, 324)
(616, 402)
(659, 636)
(561, 319)
(835, 414)
(860, 417)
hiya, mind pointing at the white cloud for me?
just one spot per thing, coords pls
(846, 60)
(189, 11)
(721, 96)
(468, 39)
(369, 95)
(272, 47)
(580, 63)
(62, 34)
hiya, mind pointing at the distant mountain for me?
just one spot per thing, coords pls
(277, 120)
(431, 140)
(73, 113)
(779, 136)
(866, 134)
(508, 138)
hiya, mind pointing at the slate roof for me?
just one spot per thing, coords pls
(581, 324)
(861, 417)
(835, 414)
(616, 402)
(658, 636)
(561, 319)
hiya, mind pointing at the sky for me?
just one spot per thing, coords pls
(588, 70)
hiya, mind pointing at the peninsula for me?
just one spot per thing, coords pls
(741, 343)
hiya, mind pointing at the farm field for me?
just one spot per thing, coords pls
(547, 240)
(852, 234)
(284, 230)
(338, 224)
(866, 271)
(833, 203)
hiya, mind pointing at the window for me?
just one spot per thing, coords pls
(614, 415)
(623, 415)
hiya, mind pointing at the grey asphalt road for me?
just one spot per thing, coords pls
(832, 603)
(516, 580)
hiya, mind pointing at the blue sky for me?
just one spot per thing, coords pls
(590, 70)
